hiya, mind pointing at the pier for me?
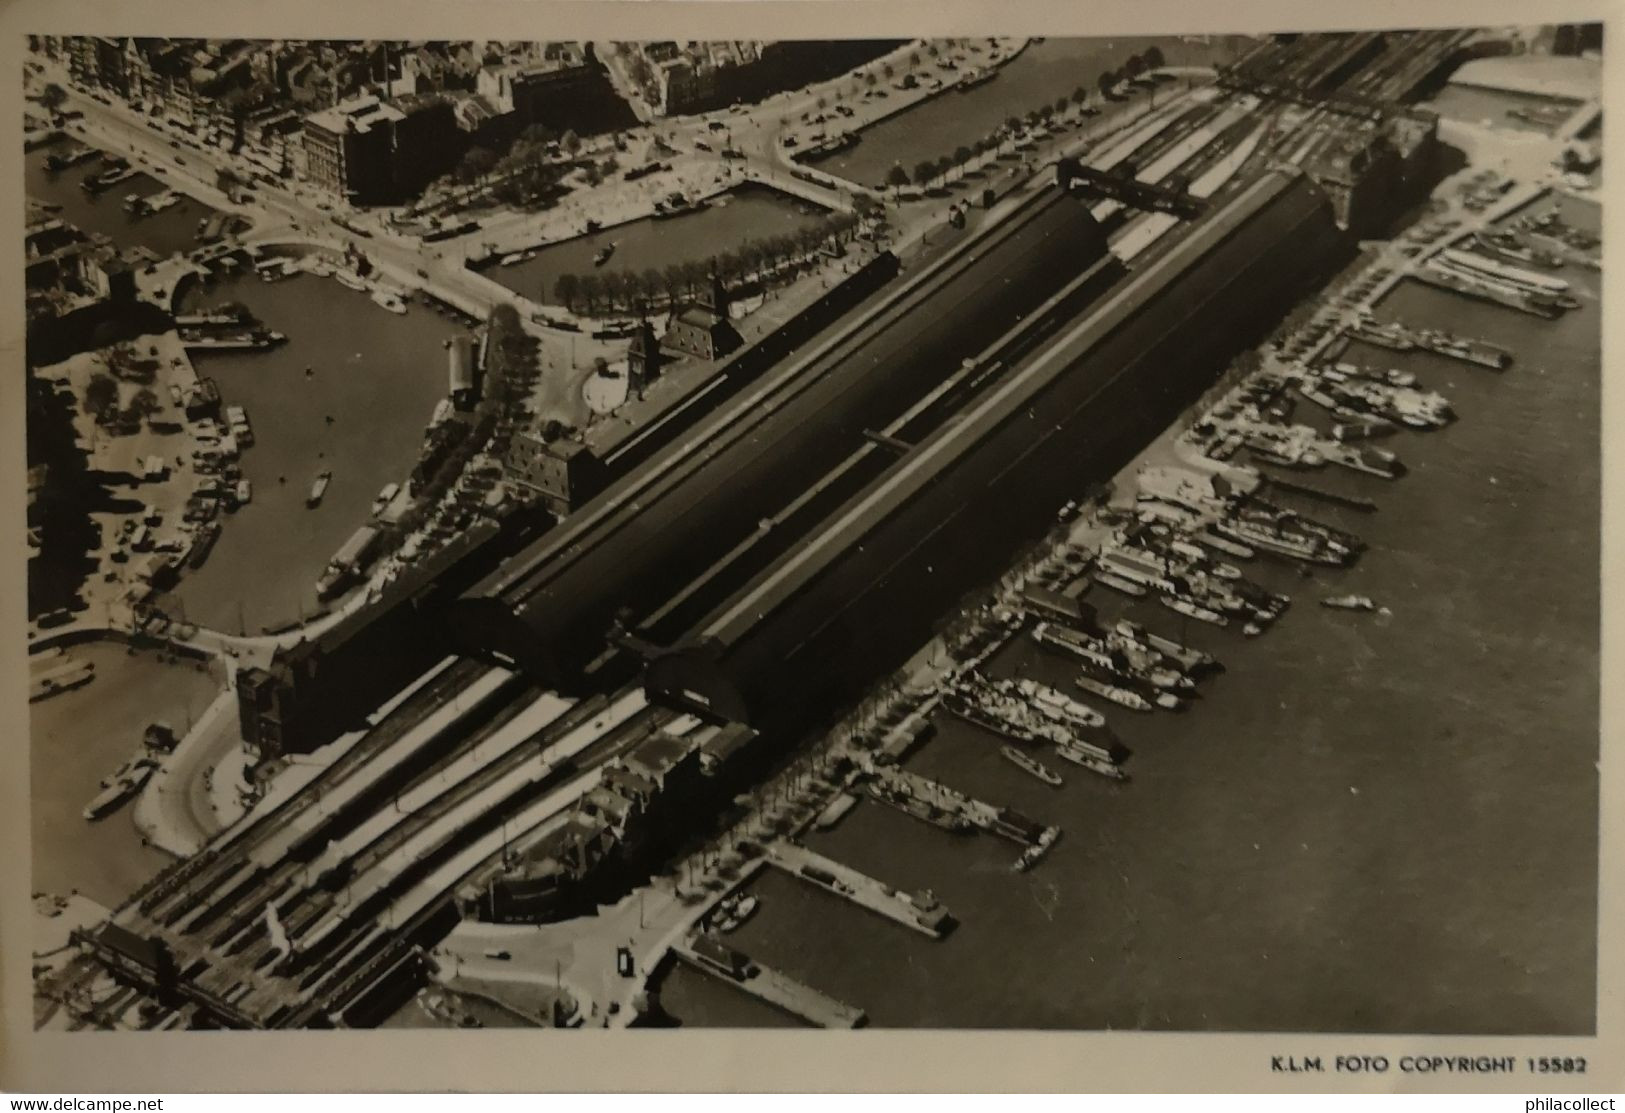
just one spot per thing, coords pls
(766, 984)
(918, 912)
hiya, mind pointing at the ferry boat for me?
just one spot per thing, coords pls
(119, 791)
(1191, 660)
(1313, 550)
(318, 489)
(1393, 337)
(1476, 352)
(1091, 761)
(1030, 765)
(202, 543)
(1505, 245)
(1113, 693)
(983, 706)
(921, 809)
(1078, 645)
(603, 255)
(1193, 609)
(1472, 284)
(1349, 602)
(1059, 706)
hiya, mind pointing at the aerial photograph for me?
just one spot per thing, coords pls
(1069, 533)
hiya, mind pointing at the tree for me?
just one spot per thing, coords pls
(870, 79)
(897, 177)
(924, 171)
(53, 96)
(931, 49)
(1080, 96)
(476, 164)
(566, 288)
(1108, 82)
(962, 155)
(888, 71)
(1153, 58)
(571, 143)
(944, 165)
(914, 60)
(101, 396)
(1060, 105)
(145, 403)
(1134, 67)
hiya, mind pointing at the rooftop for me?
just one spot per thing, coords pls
(359, 114)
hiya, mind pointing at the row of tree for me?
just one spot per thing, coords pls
(755, 260)
(929, 172)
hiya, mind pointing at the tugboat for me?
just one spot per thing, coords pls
(318, 489)
(1349, 602)
(1030, 765)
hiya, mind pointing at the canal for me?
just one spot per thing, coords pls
(377, 375)
(1369, 823)
(749, 212)
(174, 229)
(79, 737)
(1040, 74)
(1472, 105)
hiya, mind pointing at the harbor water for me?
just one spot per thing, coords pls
(378, 375)
(1041, 73)
(729, 221)
(1369, 823)
(81, 736)
(174, 229)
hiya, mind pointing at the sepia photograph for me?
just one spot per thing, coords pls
(1068, 533)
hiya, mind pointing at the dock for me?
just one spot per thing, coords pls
(919, 912)
(771, 986)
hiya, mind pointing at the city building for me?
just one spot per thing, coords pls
(561, 473)
(350, 149)
(702, 329)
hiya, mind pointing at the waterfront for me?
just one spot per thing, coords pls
(377, 374)
(79, 737)
(1369, 823)
(749, 212)
(1473, 105)
(1043, 72)
(174, 229)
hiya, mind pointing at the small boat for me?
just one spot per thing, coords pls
(1036, 768)
(603, 255)
(245, 492)
(385, 497)
(318, 489)
(389, 301)
(1349, 602)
